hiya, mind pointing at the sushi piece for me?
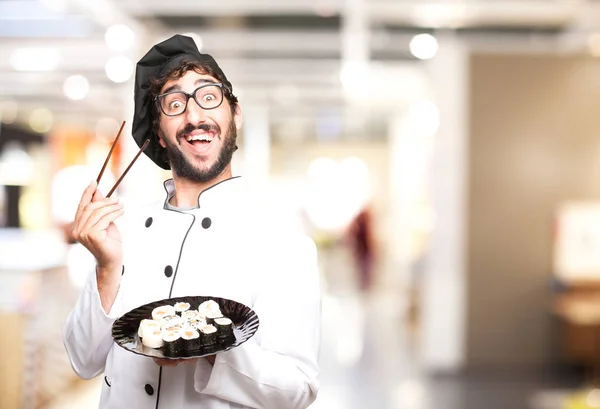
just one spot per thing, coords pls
(224, 328)
(208, 335)
(211, 316)
(148, 326)
(201, 323)
(181, 307)
(172, 343)
(191, 341)
(153, 339)
(207, 307)
(162, 312)
(172, 321)
(190, 315)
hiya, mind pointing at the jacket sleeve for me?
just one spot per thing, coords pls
(87, 336)
(278, 367)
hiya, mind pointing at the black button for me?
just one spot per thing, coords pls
(123, 270)
(149, 389)
(148, 221)
(206, 222)
(168, 271)
(108, 381)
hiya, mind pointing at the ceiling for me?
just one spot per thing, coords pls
(285, 55)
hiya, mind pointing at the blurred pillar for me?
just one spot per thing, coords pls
(444, 304)
(256, 144)
(409, 156)
(12, 195)
(355, 34)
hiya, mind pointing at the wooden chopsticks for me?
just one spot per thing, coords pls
(128, 167)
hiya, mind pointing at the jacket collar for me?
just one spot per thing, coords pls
(218, 193)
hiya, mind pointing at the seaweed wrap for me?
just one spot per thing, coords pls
(191, 341)
(172, 343)
(208, 335)
(224, 328)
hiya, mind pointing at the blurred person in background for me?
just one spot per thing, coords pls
(362, 245)
(206, 238)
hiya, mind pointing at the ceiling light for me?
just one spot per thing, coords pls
(423, 46)
(76, 87)
(119, 37)
(34, 59)
(119, 69)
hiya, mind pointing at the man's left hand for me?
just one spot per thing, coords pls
(175, 362)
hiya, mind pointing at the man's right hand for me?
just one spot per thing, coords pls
(94, 228)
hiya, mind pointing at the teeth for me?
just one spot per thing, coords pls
(202, 137)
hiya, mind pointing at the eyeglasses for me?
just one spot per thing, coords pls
(207, 96)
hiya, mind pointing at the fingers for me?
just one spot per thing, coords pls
(90, 214)
(98, 219)
(165, 362)
(173, 362)
(98, 196)
(87, 196)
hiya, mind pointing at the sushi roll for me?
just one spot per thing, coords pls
(148, 326)
(172, 343)
(211, 316)
(153, 339)
(162, 312)
(181, 307)
(191, 341)
(201, 323)
(190, 315)
(172, 321)
(207, 307)
(208, 335)
(224, 328)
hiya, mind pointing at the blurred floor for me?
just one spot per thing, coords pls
(368, 359)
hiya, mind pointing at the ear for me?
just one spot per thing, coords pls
(237, 117)
(161, 140)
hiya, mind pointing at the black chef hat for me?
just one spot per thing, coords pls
(158, 61)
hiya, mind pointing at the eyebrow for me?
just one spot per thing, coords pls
(177, 87)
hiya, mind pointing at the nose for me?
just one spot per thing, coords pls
(195, 114)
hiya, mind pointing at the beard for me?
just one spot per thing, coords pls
(185, 169)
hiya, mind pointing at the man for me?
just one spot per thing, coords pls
(209, 237)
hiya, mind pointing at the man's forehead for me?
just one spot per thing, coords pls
(190, 78)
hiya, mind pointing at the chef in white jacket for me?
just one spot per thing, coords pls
(209, 236)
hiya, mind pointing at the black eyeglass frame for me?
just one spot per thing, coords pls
(224, 91)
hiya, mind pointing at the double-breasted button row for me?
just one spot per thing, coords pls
(206, 222)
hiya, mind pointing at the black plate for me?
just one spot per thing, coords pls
(124, 330)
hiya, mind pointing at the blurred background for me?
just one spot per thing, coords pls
(444, 156)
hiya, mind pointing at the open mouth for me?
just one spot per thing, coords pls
(200, 140)
(203, 139)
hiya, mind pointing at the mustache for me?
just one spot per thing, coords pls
(189, 128)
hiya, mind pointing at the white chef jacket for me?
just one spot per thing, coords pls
(226, 247)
